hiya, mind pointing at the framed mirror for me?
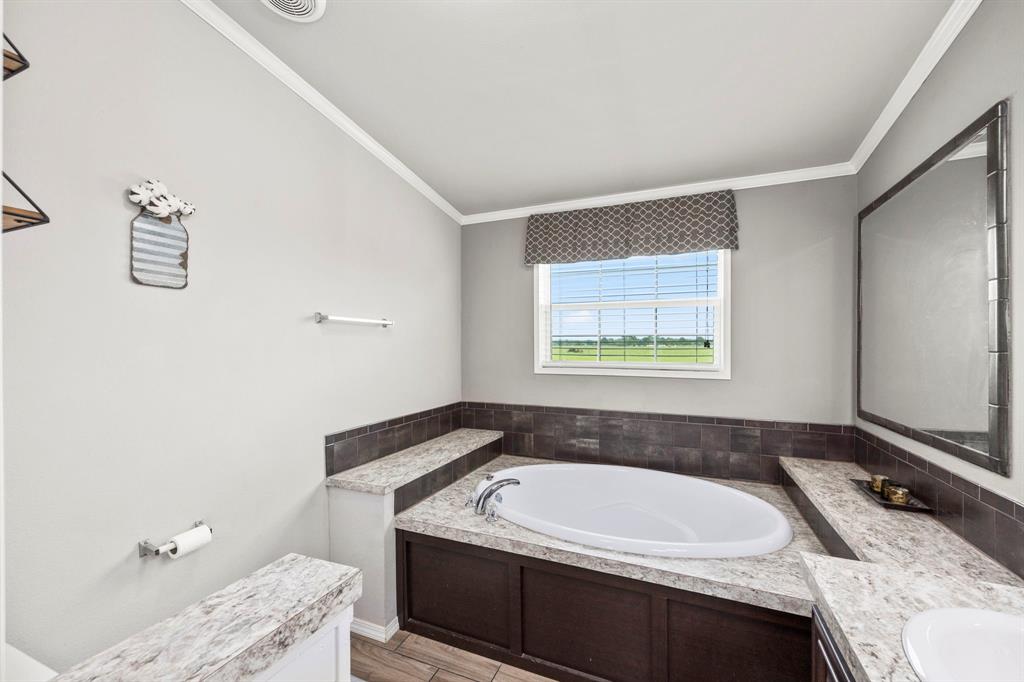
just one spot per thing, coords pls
(933, 353)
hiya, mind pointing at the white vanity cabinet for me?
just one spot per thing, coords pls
(288, 621)
(323, 657)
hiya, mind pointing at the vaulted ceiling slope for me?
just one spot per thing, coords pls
(498, 105)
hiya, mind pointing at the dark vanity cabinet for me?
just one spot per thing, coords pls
(571, 623)
(827, 664)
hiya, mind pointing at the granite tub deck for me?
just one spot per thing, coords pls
(374, 492)
(909, 562)
(891, 537)
(910, 558)
(773, 581)
(848, 595)
(388, 474)
(235, 633)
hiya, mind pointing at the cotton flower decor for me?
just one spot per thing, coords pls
(159, 240)
(153, 197)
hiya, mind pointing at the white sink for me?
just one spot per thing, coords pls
(965, 645)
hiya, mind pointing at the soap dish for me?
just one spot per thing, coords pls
(913, 504)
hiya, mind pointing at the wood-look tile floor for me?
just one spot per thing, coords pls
(411, 658)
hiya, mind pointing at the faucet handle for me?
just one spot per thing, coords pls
(492, 512)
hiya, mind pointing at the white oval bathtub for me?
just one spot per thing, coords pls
(640, 511)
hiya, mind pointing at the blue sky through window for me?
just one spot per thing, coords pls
(687, 275)
(680, 331)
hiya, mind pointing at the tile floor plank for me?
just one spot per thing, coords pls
(507, 673)
(445, 676)
(390, 645)
(374, 663)
(448, 657)
(396, 640)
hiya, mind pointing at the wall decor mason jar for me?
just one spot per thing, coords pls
(159, 240)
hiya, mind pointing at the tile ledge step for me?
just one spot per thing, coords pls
(384, 475)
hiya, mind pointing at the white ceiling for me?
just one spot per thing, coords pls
(499, 105)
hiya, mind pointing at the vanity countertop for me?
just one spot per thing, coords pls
(896, 538)
(865, 606)
(385, 475)
(234, 633)
(773, 580)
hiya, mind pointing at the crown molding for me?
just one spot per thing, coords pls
(746, 182)
(956, 17)
(243, 40)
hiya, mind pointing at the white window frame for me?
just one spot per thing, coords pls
(721, 369)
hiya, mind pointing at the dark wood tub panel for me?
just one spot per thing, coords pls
(575, 624)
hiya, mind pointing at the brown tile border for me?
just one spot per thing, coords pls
(661, 416)
(989, 521)
(348, 449)
(423, 487)
(720, 447)
(670, 442)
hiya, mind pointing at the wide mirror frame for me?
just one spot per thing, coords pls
(994, 124)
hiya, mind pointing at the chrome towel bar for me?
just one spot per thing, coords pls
(320, 317)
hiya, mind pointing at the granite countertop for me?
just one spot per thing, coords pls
(910, 560)
(849, 593)
(235, 633)
(385, 475)
(874, 533)
(773, 580)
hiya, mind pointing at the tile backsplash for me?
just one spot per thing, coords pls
(990, 522)
(348, 449)
(428, 484)
(718, 447)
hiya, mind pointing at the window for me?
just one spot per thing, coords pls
(665, 316)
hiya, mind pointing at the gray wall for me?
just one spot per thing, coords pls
(792, 312)
(132, 411)
(982, 66)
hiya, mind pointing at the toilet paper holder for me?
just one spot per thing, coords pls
(147, 548)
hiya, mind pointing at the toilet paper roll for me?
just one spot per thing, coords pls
(190, 541)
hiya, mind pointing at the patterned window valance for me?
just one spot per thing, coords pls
(699, 222)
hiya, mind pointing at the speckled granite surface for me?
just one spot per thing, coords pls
(384, 475)
(772, 580)
(910, 559)
(849, 595)
(234, 633)
(892, 537)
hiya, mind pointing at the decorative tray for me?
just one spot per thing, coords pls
(913, 505)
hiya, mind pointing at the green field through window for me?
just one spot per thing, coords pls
(691, 351)
(668, 312)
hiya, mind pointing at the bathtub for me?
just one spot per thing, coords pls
(640, 511)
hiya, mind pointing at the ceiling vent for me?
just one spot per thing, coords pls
(298, 10)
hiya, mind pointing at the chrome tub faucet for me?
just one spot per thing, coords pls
(480, 506)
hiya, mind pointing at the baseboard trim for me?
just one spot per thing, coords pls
(378, 633)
